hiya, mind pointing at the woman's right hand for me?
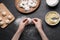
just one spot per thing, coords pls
(37, 22)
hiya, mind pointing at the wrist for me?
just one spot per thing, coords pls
(19, 31)
(21, 25)
(20, 28)
(39, 29)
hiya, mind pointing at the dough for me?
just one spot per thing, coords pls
(35, 1)
(0, 18)
(26, 4)
(30, 20)
(7, 21)
(3, 13)
(9, 17)
(23, 3)
(32, 4)
(27, 8)
(1, 23)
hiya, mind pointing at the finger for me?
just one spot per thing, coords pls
(40, 20)
(24, 20)
(33, 21)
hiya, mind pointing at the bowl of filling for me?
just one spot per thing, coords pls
(52, 18)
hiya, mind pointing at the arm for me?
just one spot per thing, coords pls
(20, 29)
(38, 24)
(17, 35)
(43, 35)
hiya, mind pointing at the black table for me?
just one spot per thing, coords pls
(30, 32)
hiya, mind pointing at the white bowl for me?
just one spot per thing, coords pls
(52, 3)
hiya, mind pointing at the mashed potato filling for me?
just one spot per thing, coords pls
(52, 18)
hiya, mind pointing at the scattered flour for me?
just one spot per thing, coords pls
(18, 20)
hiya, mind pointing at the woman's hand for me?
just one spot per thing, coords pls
(22, 24)
(37, 22)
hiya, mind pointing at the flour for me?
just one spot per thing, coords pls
(52, 3)
(18, 20)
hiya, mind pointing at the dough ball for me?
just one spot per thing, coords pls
(1, 23)
(7, 21)
(0, 18)
(27, 8)
(23, 3)
(35, 1)
(9, 17)
(30, 20)
(30, 1)
(17, 21)
(3, 13)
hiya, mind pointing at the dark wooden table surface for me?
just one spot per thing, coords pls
(30, 32)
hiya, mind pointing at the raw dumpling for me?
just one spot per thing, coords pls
(3, 13)
(27, 4)
(32, 4)
(23, 3)
(0, 18)
(1, 23)
(9, 17)
(35, 1)
(7, 21)
(30, 20)
(27, 8)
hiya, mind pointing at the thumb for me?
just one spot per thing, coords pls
(34, 21)
(25, 21)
